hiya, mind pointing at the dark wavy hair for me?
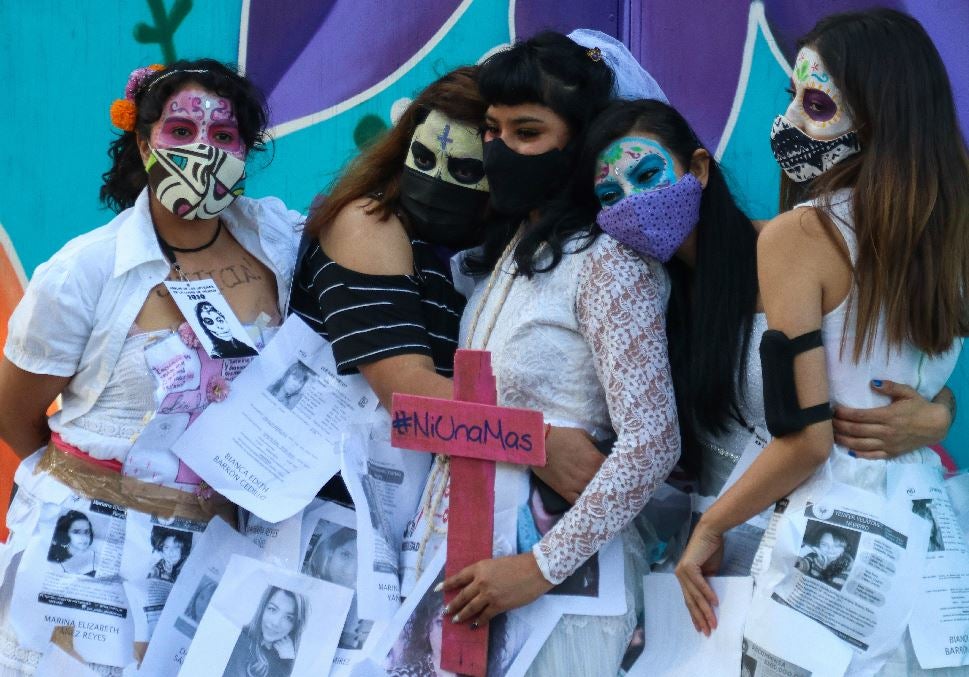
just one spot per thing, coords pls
(417, 632)
(712, 304)
(61, 539)
(551, 70)
(910, 181)
(377, 170)
(126, 178)
(161, 534)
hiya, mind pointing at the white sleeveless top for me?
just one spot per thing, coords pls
(849, 381)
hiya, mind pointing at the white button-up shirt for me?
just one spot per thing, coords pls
(81, 304)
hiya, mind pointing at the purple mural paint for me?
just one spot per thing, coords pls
(790, 20)
(695, 53)
(323, 53)
(534, 16)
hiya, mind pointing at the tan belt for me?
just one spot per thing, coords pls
(93, 481)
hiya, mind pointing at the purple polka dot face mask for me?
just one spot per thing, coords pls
(655, 222)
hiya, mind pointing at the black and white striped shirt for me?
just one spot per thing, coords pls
(367, 318)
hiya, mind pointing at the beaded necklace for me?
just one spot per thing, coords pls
(440, 473)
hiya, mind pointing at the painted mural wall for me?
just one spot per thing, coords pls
(334, 70)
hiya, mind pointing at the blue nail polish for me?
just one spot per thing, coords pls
(852, 454)
(876, 382)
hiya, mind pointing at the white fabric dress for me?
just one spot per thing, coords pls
(849, 385)
(585, 344)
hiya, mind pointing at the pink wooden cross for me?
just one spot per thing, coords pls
(475, 434)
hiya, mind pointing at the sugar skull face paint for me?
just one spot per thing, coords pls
(818, 108)
(443, 188)
(630, 165)
(196, 115)
(817, 129)
(448, 150)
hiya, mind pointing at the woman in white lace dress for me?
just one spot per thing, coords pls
(575, 323)
(869, 276)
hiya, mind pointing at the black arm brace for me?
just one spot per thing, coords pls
(777, 353)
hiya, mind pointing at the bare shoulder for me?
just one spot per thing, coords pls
(798, 233)
(359, 240)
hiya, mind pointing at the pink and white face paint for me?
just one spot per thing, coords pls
(196, 115)
(197, 163)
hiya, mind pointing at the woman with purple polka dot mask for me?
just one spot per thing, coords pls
(650, 200)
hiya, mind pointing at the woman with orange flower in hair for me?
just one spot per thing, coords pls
(85, 322)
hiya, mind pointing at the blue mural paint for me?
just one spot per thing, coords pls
(58, 130)
(749, 165)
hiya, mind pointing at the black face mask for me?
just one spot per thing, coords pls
(519, 183)
(442, 213)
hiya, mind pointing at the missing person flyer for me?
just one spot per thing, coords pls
(274, 441)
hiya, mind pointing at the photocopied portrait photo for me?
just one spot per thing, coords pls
(188, 621)
(212, 321)
(217, 334)
(417, 647)
(288, 388)
(923, 508)
(827, 552)
(332, 556)
(170, 547)
(72, 546)
(266, 620)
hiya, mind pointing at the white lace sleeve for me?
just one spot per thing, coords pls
(621, 313)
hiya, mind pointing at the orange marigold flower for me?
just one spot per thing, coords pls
(124, 114)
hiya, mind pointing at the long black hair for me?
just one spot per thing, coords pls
(711, 307)
(551, 70)
(127, 178)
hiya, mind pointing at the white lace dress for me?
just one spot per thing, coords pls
(585, 344)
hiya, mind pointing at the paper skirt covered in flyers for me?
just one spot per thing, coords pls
(861, 567)
(82, 546)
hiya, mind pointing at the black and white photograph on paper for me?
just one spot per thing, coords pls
(266, 620)
(210, 317)
(191, 594)
(332, 555)
(69, 575)
(171, 548)
(288, 388)
(195, 609)
(923, 508)
(827, 552)
(72, 545)
(268, 643)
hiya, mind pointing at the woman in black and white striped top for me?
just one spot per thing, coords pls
(371, 317)
(376, 280)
